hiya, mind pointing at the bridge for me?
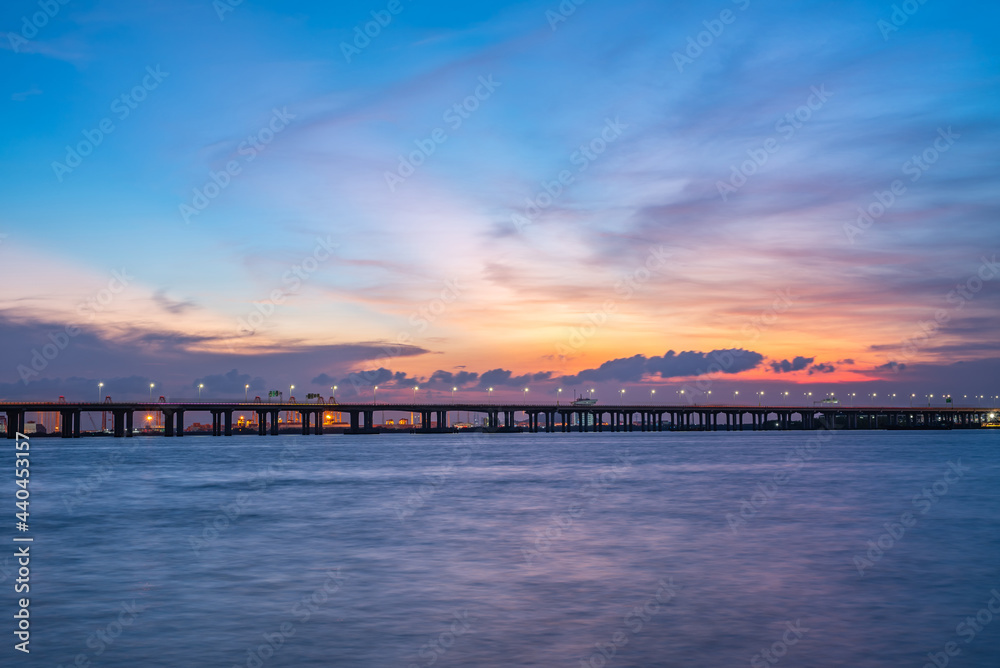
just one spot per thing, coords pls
(501, 416)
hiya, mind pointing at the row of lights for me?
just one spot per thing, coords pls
(652, 393)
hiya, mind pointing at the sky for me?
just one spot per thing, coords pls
(739, 196)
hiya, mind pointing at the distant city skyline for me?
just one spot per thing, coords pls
(739, 197)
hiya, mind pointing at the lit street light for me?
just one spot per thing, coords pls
(622, 393)
(246, 393)
(290, 388)
(375, 394)
(100, 387)
(151, 386)
(558, 393)
(651, 393)
(200, 385)
(491, 396)
(736, 394)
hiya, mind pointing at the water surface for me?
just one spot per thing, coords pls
(514, 550)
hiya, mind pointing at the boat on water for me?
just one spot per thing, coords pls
(584, 401)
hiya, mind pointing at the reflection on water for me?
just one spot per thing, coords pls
(867, 549)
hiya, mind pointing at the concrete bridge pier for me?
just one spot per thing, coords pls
(66, 424)
(15, 423)
(168, 422)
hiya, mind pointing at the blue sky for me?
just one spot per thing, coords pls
(362, 268)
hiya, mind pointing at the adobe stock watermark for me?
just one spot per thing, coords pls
(624, 290)
(102, 473)
(469, 445)
(249, 148)
(963, 293)
(714, 28)
(562, 13)
(922, 503)
(292, 281)
(100, 641)
(966, 630)
(455, 116)
(60, 339)
(899, 17)
(30, 25)
(786, 127)
(364, 33)
(439, 645)
(779, 648)
(302, 611)
(582, 158)
(223, 7)
(122, 107)
(765, 491)
(633, 623)
(750, 331)
(420, 320)
(230, 513)
(915, 168)
(588, 493)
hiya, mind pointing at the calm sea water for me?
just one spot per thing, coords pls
(514, 550)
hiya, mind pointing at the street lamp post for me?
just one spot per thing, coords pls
(736, 394)
(651, 393)
(100, 391)
(491, 396)
(760, 398)
(151, 386)
(374, 394)
(415, 388)
(200, 385)
(246, 393)
(622, 394)
(558, 393)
